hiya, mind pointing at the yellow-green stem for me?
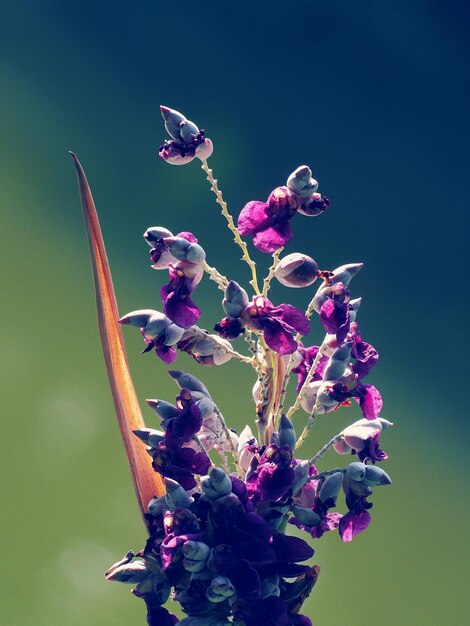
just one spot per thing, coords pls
(223, 205)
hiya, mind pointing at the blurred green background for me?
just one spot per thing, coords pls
(374, 96)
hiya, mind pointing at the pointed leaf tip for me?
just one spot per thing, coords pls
(146, 482)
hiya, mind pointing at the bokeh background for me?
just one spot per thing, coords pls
(374, 96)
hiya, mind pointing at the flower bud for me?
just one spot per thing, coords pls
(356, 471)
(165, 410)
(286, 434)
(131, 573)
(323, 395)
(354, 308)
(296, 270)
(188, 130)
(196, 550)
(338, 362)
(220, 589)
(157, 506)
(173, 120)
(301, 475)
(235, 299)
(141, 317)
(375, 476)
(330, 487)
(305, 515)
(301, 182)
(345, 273)
(184, 250)
(218, 484)
(150, 436)
(154, 233)
(176, 496)
(184, 380)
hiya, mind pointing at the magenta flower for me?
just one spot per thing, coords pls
(362, 438)
(307, 358)
(268, 221)
(334, 313)
(185, 274)
(278, 323)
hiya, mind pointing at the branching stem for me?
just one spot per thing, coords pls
(223, 205)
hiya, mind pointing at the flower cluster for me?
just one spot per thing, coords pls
(219, 536)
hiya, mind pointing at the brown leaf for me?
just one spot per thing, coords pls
(147, 483)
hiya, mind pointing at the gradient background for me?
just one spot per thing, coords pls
(374, 96)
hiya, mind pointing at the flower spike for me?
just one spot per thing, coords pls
(147, 484)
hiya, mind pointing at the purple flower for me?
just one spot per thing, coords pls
(357, 483)
(268, 221)
(186, 424)
(362, 438)
(369, 400)
(274, 474)
(180, 464)
(187, 140)
(158, 331)
(354, 523)
(277, 323)
(366, 355)
(308, 357)
(184, 277)
(334, 313)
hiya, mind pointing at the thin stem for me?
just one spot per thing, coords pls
(325, 449)
(230, 441)
(272, 270)
(220, 200)
(214, 274)
(326, 473)
(308, 379)
(306, 431)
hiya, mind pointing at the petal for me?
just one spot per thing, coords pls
(279, 339)
(352, 524)
(180, 309)
(370, 401)
(272, 238)
(291, 549)
(166, 353)
(252, 217)
(293, 317)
